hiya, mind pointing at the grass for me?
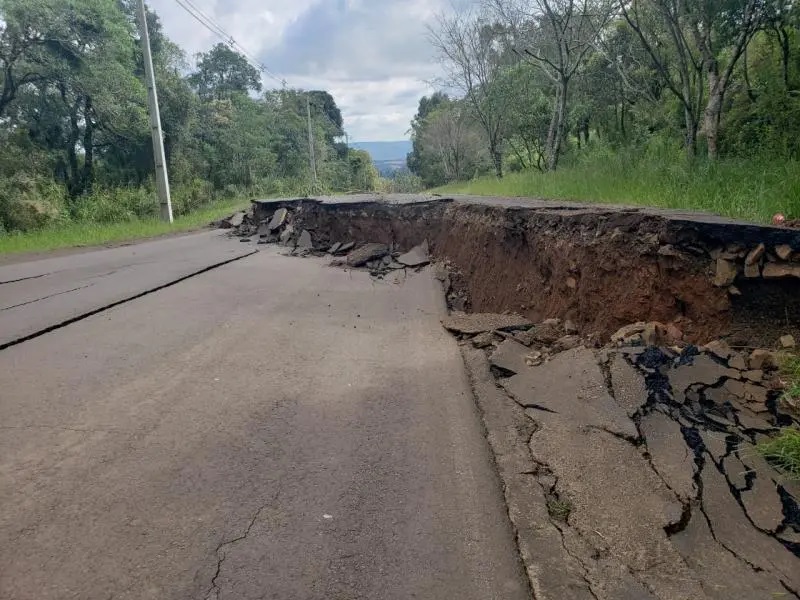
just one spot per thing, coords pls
(559, 509)
(94, 234)
(783, 450)
(742, 189)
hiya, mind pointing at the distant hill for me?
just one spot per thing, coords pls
(385, 151)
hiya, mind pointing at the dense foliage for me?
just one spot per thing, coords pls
(74, 134)
(533, 83)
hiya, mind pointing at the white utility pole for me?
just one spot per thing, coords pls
(311, 141)
(162, 179)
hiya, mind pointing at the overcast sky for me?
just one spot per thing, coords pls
(372, 55)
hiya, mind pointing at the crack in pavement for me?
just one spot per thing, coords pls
(214, 589)
(60, 428)
(106, 307)
(25, 278)
(83, 287)
(504, 487)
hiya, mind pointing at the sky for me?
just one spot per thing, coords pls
(371, 55)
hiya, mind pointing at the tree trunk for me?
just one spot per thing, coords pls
(87, 177)
(784, 39)
(713, 110)
(691, 133)
(497, 158)
(560, 118)
(74, 174)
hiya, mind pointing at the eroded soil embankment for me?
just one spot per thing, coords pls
(601, 268)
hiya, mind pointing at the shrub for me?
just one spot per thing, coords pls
(29, 202)
(114, 205)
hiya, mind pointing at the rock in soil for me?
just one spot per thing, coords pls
(623, 334)
(787, 341)
(780, 270)
(481, 322)
(755, 255)
(763, 359)
(369, 252)
(726, 273)
(783, 251)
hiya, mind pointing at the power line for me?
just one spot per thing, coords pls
(227, 38)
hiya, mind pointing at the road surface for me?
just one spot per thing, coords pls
(270, 428)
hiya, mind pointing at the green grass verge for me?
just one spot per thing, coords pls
(95, 234)
(784, 452)
(741, 189)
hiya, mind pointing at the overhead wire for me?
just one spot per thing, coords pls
(209, 23)
(227, 38)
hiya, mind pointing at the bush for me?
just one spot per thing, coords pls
(114, 205)
(28, 202)
(191, 196)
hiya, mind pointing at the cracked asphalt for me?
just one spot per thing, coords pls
(271, 428)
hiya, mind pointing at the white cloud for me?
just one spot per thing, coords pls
(372, 55)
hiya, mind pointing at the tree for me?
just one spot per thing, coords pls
(469, 49)
(693, 45)
(415, 161)
(557, 35)
(449, 138)
(222, 72)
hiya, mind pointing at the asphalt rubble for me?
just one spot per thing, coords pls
(629, 465)
(283, 229)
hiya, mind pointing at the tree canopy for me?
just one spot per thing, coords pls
(544, 79)
(74, 126)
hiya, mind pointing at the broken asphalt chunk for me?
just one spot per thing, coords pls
(305, 242)
(278, 219)
(367, 253)
(509, 357)
(482, 322)
(418, 256)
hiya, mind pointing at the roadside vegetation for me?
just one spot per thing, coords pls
(644, 102)
(738, 188)
(783, 450)
(75, 150)
(88, 233)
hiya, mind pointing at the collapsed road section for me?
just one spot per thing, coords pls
(601, 267)
(625, 363)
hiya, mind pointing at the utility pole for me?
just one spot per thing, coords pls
(311, 141)
(162, 179)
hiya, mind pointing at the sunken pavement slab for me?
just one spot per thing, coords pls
(634, 468)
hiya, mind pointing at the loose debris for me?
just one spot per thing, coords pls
(285, 226)
(471, 324)
(642, 456)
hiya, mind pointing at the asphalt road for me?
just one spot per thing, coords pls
(271, 428)
(35, 296)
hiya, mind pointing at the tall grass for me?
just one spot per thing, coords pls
(752, 190)
(88, 233)
(784, 452)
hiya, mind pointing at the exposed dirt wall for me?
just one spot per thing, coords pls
(600, 268)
